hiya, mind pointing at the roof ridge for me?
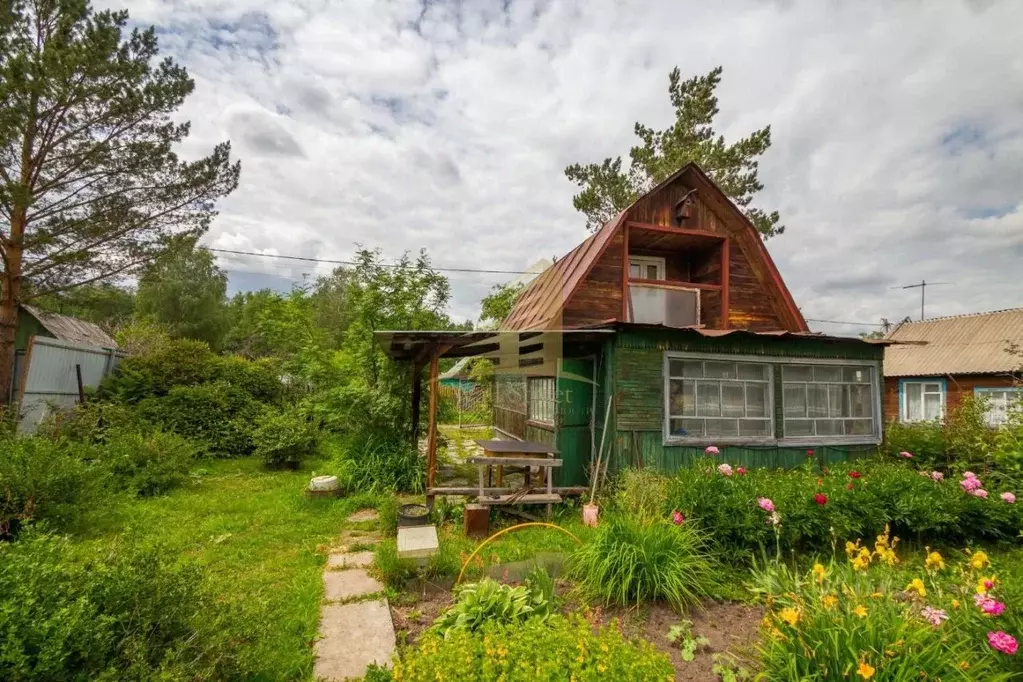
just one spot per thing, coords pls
(962, 315)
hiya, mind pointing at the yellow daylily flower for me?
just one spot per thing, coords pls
(819, 572)
(829, 601)
(934, 561)
(979, 560)
(790, 615)
(917, 585)
(955, 603)
(865, 670)
(860, 610)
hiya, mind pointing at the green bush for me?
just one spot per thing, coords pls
(129, 613)
(367, 463)
(91, 422)
(179, 362)
(962, 441)
(283, 437)
(44, 480)
(642, 492)
(218, 416)
(631, 559)
(537, 650)
(489, 601)
(146, 463)
(259, 378)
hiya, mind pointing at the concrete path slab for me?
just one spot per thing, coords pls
(345, 585)
(364, 515)
(353, 637)
(355, 560)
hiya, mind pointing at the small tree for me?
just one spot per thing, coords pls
(90, 184)
(497, 305)
(607, 190)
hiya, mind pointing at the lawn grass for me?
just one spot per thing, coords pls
(262, 543)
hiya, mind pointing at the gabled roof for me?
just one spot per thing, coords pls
(962, 344)
(541, 301)
(71, 329)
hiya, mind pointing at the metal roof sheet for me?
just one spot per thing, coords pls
(964, 344)
(72, 329)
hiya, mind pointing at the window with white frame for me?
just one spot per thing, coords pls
(1000, 403)
(709, 399)
(542, 399)
(824, 401)
(646, 267)
(922, 400)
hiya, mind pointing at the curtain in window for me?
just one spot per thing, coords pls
(827, 400)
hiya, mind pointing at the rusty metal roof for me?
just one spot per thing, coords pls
(71, 329)
(963, 344)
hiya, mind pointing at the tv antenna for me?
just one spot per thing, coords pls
(923, 289)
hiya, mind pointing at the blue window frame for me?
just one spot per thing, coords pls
(922, 399)
(1000, 401)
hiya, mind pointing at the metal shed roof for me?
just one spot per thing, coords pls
(964, 344)
(71, 329)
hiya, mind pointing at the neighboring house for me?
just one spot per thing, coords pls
(935, 363)
(33, 321)
(460, 374)
(676, 311)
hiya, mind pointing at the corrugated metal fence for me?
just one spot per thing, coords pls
(47, 376)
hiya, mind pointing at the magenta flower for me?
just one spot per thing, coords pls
(1009, 498)
(969, 474)
(765, 504)
(979, 492)
(741, 471)
(712, 450)
(979, 599)
(906, 455)
(970, 484)
(992, 607)
(678, 518)
(725, 469)
(934, 616)
(937, 475)
(1003, 642)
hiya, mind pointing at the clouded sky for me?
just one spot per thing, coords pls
(897, 129)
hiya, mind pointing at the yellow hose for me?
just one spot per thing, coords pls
(508, 530)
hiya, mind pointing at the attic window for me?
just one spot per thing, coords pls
(646, 267)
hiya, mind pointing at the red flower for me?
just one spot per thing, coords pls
(854, 474)
(678, 518)
(821, 499)
(809, 453)
(741, 471)
(849, 486)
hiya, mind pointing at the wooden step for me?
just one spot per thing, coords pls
(537, 498)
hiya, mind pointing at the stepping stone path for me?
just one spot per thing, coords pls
(355, 620)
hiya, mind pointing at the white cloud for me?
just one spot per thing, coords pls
(898, 139)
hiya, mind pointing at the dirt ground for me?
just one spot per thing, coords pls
(411, 619)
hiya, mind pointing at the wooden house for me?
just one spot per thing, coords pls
(676, 329)
(935, 363)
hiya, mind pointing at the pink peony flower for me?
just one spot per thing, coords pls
(979, 599)
(906, 455)
(765, 504)
(712, 450)
(678, 518)
(937, 475)
(1009, 498)
(1003, 642)
(741, 471)
(934, 616)
(992, 607)
(969, 474)
(979, 492)
(725, 469)
(970, 484)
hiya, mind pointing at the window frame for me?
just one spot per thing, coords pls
(874, 379)
(983, 391)
(659, 261)
(552, 400)
(904, 397)
(775, 363)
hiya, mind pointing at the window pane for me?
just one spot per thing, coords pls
(675, 368)
(794, 428)
(797, 373)
(817, 400)
(914, 402)
(651, 272)
(794, 400)
(634, 270)
(753, 372)
(932, 388)
(756, 400)
(754, 428)
(681, 400)
(822, 373)
(859, 427)
(687, 428)
(722, 427)
(838, 401)
(829, 427)
(708, 399)
(681, 308)
(860, 403)
(859, 375)
(733, 400)
(692, 368)
(720, 370)
(932, 406)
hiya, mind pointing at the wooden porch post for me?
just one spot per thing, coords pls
(431, 448)
(417, 393)
(725, 259)
(625, 274)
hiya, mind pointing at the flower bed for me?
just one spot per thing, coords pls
(868, 616)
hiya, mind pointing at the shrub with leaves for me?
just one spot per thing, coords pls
(631, 559)
(490, 601)
(44, 480)
(367, 463)
(170, 363)
(283, 437)
(869, 616)
(535, 650)
(145, 463)
(127, 613)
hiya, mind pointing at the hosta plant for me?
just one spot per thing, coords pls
(493, 602)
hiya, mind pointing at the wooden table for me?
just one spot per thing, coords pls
(522, 453)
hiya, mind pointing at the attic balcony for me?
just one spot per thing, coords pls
(675, 276)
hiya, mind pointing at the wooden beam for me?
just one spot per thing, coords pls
(472, 492)
(676, 230)
(431, 447)
(625, 273)
(517, 461)
(725, 261)
(417, 397)
(666, 284)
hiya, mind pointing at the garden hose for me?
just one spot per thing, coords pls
(508, 530)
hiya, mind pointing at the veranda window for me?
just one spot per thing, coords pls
(828, 401)
(718, 399)
(922, 400)
(542, 399)
(1000, 403)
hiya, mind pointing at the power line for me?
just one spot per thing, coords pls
(384, 265)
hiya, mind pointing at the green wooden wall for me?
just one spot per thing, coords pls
(575, 401)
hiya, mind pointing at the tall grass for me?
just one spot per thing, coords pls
(380, 462)
(633, 559)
